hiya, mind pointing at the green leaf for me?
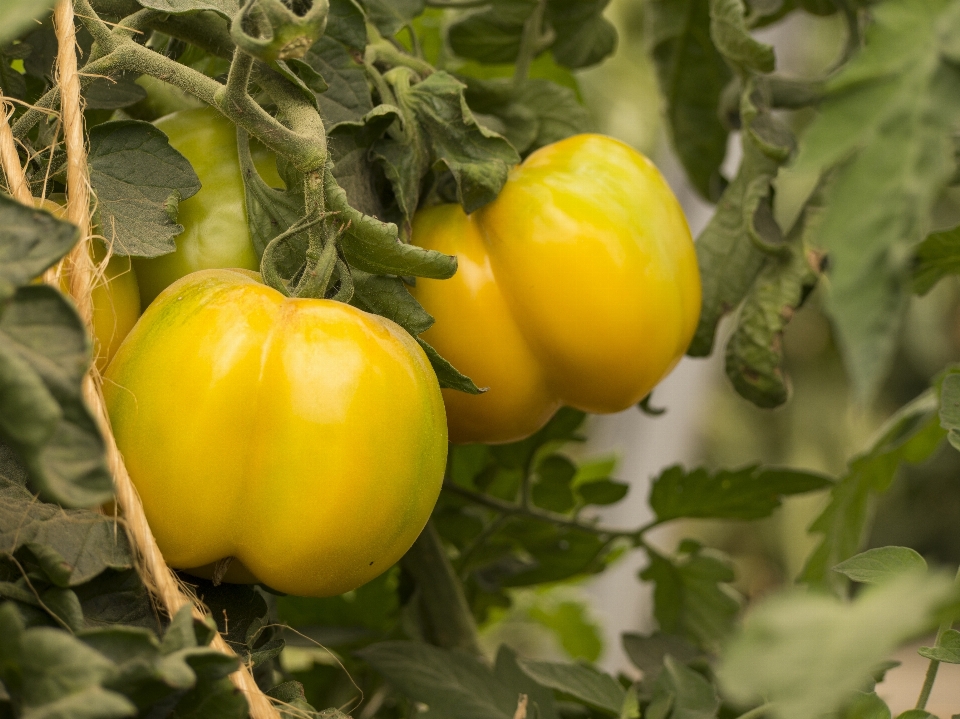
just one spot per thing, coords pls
(911, 435)
(732, 250)
(390, 298)
(573, 626)
(938, 256)
(531, 114)
(729, 32)
(455, 683)
(44, 354)
(138, 178)
(349, 144)
(866, 706)
(552, 489)
(270, 211)
(478, 159)
(580, 681)
(692, 76)
(50, 673)
(682, 693)
(30, 242)
(583, 36)
(748, 493)
(950, 408)
(809, 653)
(347, 97)
(602, 492)
(391, 15)
(881, 564)
(448, 376)
(19, 15)
(563, 427)
(240, 613)
(346, 23)
(225, 8)
(106, 93)
(754, 354)
(947, 649)
(117, 597)
(557, 553)
(372, 607)
(691, 598)
(916, 714)
(886, 125)
(78, 544)
(373, 246)
(648, 653)
(493, 34)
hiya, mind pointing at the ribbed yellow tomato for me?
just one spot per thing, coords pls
(304, 438)
(214, 220)
(578, 285)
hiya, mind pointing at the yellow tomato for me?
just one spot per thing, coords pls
(304, 438)
(215, 230)
(116, 307)
(578, 285)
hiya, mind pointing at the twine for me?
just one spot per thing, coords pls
(10, 160)
(168, 591)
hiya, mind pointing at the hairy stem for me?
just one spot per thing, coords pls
(510, 508)
(934, 666)
(445, 612)
(530, 42)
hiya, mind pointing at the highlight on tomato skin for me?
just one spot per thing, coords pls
(321, 425)
(578, 285)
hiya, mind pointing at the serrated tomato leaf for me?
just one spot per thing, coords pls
(44, 354)
(886, 124)
(692, 76)
(911, 435)
(138, 180)
(749, 493)
(691, 596)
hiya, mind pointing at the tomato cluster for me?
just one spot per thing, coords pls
(306, 440)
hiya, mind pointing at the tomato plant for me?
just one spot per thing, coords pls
(594, 211)
(422, 187)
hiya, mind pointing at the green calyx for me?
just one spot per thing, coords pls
(272, 30)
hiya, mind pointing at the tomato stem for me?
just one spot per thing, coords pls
(934, 666)
(531, 42)
(445, 614)
(512, 508)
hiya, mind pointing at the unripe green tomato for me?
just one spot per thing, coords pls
(215, 233)
(304, 438)
(578, 285)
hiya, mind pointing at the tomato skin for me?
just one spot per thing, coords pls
(305, 438)
(474, 326)
(215, 231)
(116, 308)
(597, 280)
